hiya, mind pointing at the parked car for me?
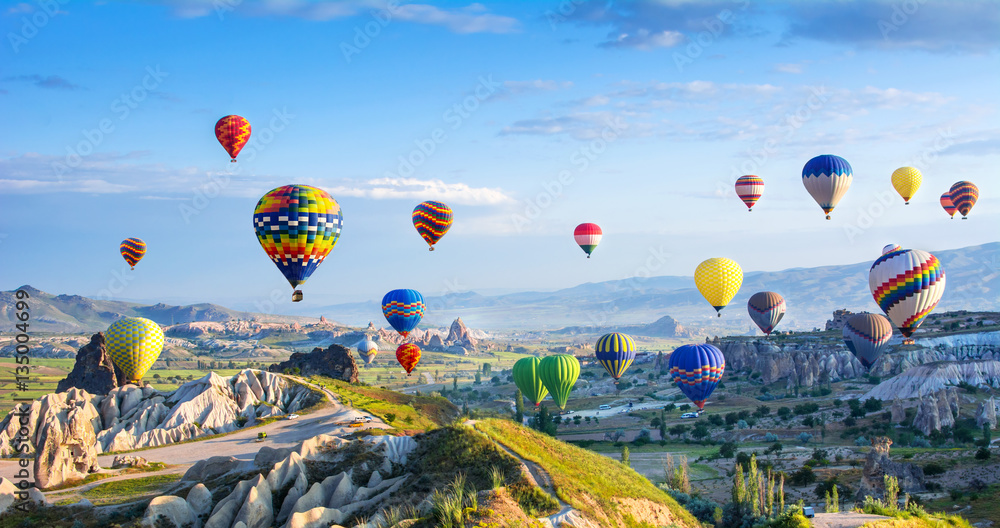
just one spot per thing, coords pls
(808, 512)
(568, 412)
(604, 407)
(689, 415)
(292, 416)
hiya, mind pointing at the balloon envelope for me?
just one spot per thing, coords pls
(558, 373)
(587, 236)
(697, 370)
(432, 220)
(233, 132)
(906, 181)
(134, 343)
(298, 226)
(963, 196)
(718, 280)
(367, 349)
(132, 250)
(615, 352)
(907, 285)
(827, 179)
(403, 309)
(866, 336)
(408, 355)
(947, 205)
(749, 189)
(889, 248)
(526, 378)
(766, 309)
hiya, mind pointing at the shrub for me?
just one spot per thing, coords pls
(742, 424)
(727, 450)
(933, 468)
(861, 441)
(983, 454)
(784, 412)
(802, 477)
(920, 442)
(805, 437)
(770, 437)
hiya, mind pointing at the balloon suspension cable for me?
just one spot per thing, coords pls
(232, 160)
(588, 255)
(719, 314)
(827, 217)
(965, 218)
(132, 267)
(430, 248)
(906, 203)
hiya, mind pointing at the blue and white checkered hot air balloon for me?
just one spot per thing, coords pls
(827, 179)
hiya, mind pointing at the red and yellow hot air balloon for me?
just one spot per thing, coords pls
(408, 355)
(132, 250)
(749, 189)
(964, 195)
(948, 206)
(233, 132)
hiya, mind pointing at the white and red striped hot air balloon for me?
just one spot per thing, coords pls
(907, 285)
(588, 236)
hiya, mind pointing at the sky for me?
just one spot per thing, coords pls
(527, 118)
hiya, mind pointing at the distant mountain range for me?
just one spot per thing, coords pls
(811, 294)
(73, 313)
(633, 305)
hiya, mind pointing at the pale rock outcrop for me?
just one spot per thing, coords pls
(66, 442)
(124, 461)
(800, 366)
(342, 491)
(225, 511)
(878, 464)
(922, 380)
(257, 511)
(286, 506)
(937, 410)
(10, 494)
(214, 467)
(173, 509)
(200, 500)
(986, 414)
(291, 469)
(897, 412)
(315, 518)
(335, 361)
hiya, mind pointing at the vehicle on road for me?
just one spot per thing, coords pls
(568, 412)
(292, 416)
(689, 415)
(604, 407)
(261, 436)
(808, 512)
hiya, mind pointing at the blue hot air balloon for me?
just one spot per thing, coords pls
(403, 309)
(616, 352)
(827, 179)
(697, 370)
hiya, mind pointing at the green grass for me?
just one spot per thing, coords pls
(121, 491)
(585, 480)
(985, 507)
(418, 413)
(95, 477)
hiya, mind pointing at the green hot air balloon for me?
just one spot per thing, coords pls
(559, 373)
(526, 378)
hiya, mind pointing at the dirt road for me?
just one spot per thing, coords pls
(843, 520)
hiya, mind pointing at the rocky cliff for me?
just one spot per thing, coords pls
(922, 380)
(93, 371)
(797, 363)
(335, 362)
(878, 464)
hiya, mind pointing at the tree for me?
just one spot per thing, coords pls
(625, 457)
(784, 412)
(727, 450)
(715, 420)
(518, 407)
(479, 379)
(762, 411)
(775, 449)
(156, 376)
(732, 418)
(487, 369)
(802, 477)
(700, 431)
(679, 430)
(983, 454)
(454, 383)
(543, 422)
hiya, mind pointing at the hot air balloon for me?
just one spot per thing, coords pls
(947, 205)
(697, 370)
(132, 249)
(964, 195)
(526, 378)
(889, 248)
(615, 352)
(906, 181)
(907, 285)
(718, 280)
(367, 349)
(233, 132)
(827, 179)
(587, 236)
(408, 355)
(766, 309)
(558, 373)
(298, 226)
(866, 336)
(403, 309)
(749, 188)
(134, 343)
(432, 220)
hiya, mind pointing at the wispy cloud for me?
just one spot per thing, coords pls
(788, 68)
(644, 39)
(412, 188)
(52, 82)
(537, 85)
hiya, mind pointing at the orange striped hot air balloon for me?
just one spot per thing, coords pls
(408, 355)
(749, 189)
(132, 250)
(948, 206)
(964, 195)
(233, 132)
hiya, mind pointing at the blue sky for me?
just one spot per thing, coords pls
(638, 116)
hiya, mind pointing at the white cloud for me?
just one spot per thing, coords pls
(78, 186)
(788, 68)
(643, 39)
(537, 85)
(412, 188)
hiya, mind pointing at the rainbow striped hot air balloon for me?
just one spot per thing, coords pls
(615, 352)
(233, 132)
(906, 181)
(766, 309)
(866, 336)
(889, 248)
(132, 250)
(907, 285)
(403, 309)
(718, 279)
(749, 189)
(134, 343)
(298, 226)
(408, 355)
(432, 220)
(964, 195)
(588, 236)
(827, 179)
(697, 370)
(948, 206)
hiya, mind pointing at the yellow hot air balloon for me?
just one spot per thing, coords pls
(134, 343)
(906, 180)
(718, 279)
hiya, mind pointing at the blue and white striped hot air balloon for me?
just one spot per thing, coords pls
(827, 179)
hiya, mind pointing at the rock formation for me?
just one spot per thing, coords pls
(937, 410)
(335, 362)
(93, 371)
(798, 364)
(11, 494)
(878, 464)
(840, 318)
(65, 439)
(897, 412)
(922, 380)
(987, 414)
(459, 335)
